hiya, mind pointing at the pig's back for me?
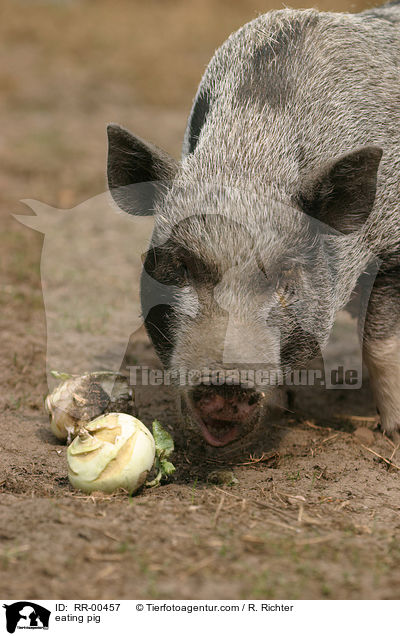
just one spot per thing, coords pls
(294, 88)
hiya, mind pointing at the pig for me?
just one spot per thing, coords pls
(287, 191)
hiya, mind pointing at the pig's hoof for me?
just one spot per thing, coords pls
(390, 429)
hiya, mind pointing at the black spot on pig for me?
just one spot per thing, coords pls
(196, 121)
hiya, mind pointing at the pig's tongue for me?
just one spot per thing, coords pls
(218, 432)
(216, 423)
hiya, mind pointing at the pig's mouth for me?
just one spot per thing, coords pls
(218, 432)
(224, 417)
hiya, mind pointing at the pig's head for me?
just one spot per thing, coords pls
(241, 281)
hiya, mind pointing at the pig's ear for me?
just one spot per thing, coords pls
(341, 193)
(137, 171)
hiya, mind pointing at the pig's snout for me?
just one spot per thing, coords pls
(226, 408)
(224, 414)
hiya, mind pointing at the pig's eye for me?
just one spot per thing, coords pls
(261, 267)
(286, 287)
(182, 271)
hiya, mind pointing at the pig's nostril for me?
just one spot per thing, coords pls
(253, 399)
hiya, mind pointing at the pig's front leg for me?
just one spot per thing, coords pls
(381, 348)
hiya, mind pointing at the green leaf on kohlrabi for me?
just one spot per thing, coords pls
(163, 440)
(164, 448)
(167, 467)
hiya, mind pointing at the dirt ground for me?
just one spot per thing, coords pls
(313, 511)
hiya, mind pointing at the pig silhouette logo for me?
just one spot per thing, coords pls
(26, 615)
(90, 295)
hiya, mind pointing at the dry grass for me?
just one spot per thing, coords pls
(157, 48)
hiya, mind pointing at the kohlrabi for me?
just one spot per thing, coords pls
(117, 451)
